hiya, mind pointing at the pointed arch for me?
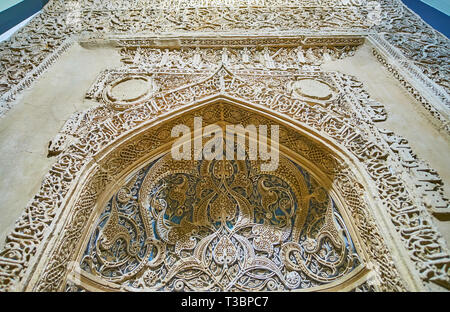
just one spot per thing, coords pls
(112, 165)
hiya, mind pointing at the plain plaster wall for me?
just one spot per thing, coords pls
(41, 111)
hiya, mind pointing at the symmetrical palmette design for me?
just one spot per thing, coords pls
(220, 225)
(241, 79)
(374, 154)
(35, 46)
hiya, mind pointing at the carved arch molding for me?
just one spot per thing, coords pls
(116, 213)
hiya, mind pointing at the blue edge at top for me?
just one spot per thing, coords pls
(21, 11)
(435, 18)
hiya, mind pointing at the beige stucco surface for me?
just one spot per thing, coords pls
(36, 118)
(41, 111)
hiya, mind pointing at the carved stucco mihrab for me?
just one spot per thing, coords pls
(220, 225)
(386, 276)
(390, 23)
(257, 78)
(349, 121)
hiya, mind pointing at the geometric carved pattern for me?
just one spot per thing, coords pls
(386, 278)
(347, 121)
(27, 54)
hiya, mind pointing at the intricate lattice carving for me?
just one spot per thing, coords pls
(348, 121)
(31, 50)
(346, 129)
(387, 276)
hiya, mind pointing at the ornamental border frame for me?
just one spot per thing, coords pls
(118, 125)
(369, 272)
(431, 96)
(428, 93)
